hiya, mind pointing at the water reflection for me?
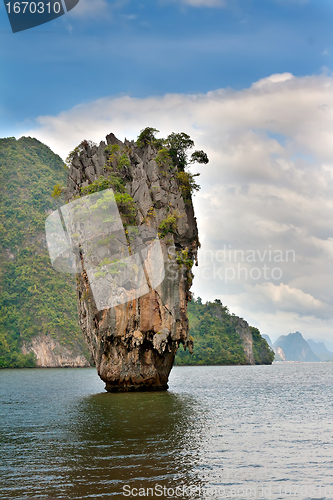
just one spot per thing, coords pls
(238, 427)
(139, 440)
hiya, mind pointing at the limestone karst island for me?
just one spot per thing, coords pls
(126, 208)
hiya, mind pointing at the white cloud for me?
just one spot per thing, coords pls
(269, 185)
(276, 78)
(286, 298)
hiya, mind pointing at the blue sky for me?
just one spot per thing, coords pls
(251, 82)
(151, 47)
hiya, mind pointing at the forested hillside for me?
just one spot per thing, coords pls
(34, 298)
(217, 338)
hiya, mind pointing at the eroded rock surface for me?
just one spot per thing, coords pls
(51, 354)
(133, 344)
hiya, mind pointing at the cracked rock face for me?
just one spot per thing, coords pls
(51, 354)
(134, 343)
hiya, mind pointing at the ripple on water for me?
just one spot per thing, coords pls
(229, 428)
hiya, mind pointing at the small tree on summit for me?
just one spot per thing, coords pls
(147, 136)
(175, 150)
(177, 145)
(199, 157)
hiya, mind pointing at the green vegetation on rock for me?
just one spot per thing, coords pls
(261, 350)
(163, 157)
(112, 181)
(147, 136)
(216, 341)
(187, 184)
(34, 298)
(174, 152)
(125, 202)
(168, 225)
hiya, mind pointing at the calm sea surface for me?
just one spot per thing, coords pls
(219, 432)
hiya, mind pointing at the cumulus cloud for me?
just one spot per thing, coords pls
(285, 298)
(268, 188)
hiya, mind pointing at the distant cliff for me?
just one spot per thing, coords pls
(320, 350)
(293, 347)
(49, 353)
(221, 338)
(268, 339)
(133, 343)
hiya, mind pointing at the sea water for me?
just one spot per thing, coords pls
(233, 432)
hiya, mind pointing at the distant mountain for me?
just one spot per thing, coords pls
(279, 354)
(38, 311)
(268, 339)
(327, 343)
(320, 349)
(294, 347)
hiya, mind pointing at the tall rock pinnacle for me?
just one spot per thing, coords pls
(133, 336)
